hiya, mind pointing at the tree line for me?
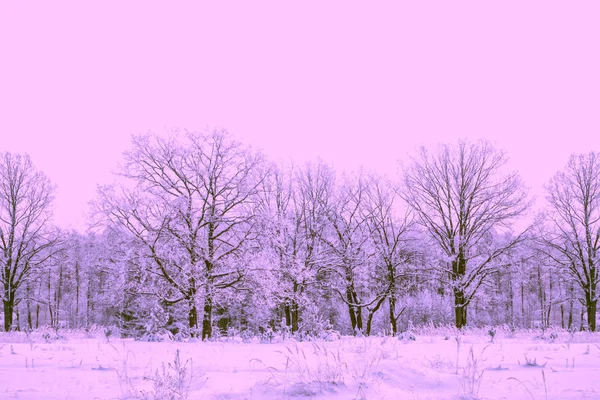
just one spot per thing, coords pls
(201, 235)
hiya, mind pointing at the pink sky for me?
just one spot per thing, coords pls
(355, 83)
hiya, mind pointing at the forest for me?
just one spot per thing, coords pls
(202, 236)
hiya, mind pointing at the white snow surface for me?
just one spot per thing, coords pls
(514, 366)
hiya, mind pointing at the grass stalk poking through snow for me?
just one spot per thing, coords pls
(472, 375)
(173, 381)
(308, 375)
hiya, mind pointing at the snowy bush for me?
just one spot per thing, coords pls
(406, 336)
(330, 335)
(160, 336)
(247, 335)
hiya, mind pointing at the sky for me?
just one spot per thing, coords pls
(355, 83)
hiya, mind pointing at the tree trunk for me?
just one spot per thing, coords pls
(392, 302)
(29, 320)
(287, 314)
(571, 304)
(8, 313)
(50, 308)
(295, 316)
(369, 322)
(90, 319)
(207, 317)
(357, 312)
(76, 323)
(295, 308)
(591, 313)
(523, 320)
(351, 309)
(460, 308)
(359, 320)
(193, 316)
(372, 312)
(549, 301)
(511, 302)
(459, 269)
(59, 294)
(541, 298)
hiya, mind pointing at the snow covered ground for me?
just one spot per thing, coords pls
(435, 366)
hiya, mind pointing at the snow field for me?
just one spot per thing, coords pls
(437, 366)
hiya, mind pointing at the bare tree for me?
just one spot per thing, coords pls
(463, 202)
(292, 210)
(26, 239)
(191, 210)
(574, 198)
(393, 244)
(348, 244)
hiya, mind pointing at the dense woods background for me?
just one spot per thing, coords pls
(203, 236)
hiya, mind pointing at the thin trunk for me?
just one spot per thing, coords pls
(392, 315)
(351, 310)
(549, 301)
(59, 293)
(89, 306)
(28, 303)
(207, 330)
(208, 264)
(571, 304)
(372, 312)
(541, 298)
(523, 321)
(50, 308)
(193, 316)
(295, 309)
(392, 299)
(511, 302)
(77, 285)
(207, 319)
(358, 312)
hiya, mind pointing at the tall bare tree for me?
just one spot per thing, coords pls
(191, 210)
(348, 243)
(392, 241)
(463, 201)
(293, 207)
(26, 239)
(574, 198)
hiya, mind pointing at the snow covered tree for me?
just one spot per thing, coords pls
(26, 237)
(351, 267)
(574, 211)
(295, 221)
(394, 245)
(463, 201)
(190, 207)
